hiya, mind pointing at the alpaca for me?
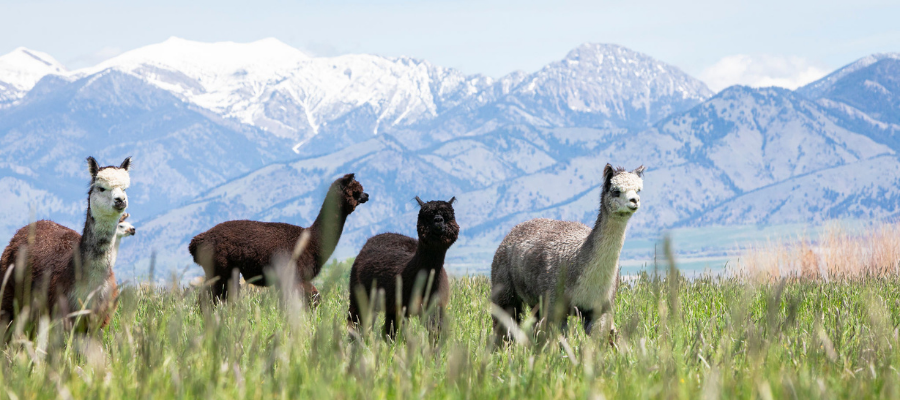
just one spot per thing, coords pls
(123, 230)
(68, 268)
(250, 247)
(534, 255)
(389, 256)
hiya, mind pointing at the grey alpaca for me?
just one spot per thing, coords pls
(536, 253)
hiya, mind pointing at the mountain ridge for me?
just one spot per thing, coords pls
(212, 146)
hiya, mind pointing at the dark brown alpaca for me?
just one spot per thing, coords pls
(387, 256)
(250, 247)
(68, 268)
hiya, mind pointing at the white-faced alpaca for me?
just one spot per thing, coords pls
(251, 246)
(67, 268)
(536, 253)
(123, 230)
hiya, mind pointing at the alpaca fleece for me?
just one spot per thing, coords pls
(387, 256)
(61, 278)
(537, 253)
(252, 246)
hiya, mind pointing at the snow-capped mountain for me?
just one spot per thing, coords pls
(258, 130)
(866, 96)
(820, 87)
(744, 156)
(604, 86)
(272, 86)
(21, 69)
(181, 150)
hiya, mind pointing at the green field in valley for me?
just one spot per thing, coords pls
(713, 337)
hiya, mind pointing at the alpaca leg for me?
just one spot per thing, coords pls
(360, 312)
(512, 306)
(605, 322)
(355, 327)
(353, 318)
(234, 284)
(610, 311)
(435, 323)
(219, 287)
(587, 320)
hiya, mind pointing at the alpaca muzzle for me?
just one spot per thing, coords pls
(120, 204)
(438, 223)
(634, 203)
(363, 198)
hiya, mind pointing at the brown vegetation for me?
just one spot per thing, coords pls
(837, 253)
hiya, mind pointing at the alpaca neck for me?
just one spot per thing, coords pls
(426, 260)
(326, 230)
(97, 256)
(98, 242)
(115, 249)
(597, 264)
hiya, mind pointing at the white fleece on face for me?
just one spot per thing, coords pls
(626, 182)
(629, 185)
(124, 229)
(114, 177)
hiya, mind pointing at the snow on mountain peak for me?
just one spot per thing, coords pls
(817, 88)
(587, 51)
(22, 68)
(202, 60)
(613, 81)
(292, 95)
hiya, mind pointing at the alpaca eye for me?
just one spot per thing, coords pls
(616, 193)
(101, 189)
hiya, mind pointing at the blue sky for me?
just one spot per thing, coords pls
(762, 42)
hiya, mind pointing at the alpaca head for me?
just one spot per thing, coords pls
(437, 225)
(106, 197)
(621, 190)
(124, 229)
(348, 192)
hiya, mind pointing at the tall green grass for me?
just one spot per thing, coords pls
(713, 337)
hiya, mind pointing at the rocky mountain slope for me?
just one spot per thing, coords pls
(225, 131)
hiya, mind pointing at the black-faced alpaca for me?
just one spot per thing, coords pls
(250, 247)
(67, 268)
(536, 253)
(387, 256)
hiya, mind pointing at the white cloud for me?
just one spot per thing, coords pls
(762, 70)
(91, 59)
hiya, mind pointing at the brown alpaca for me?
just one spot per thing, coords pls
(389, 256)
(252, 246)
(70, 271)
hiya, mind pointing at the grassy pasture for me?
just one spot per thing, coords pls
(713, 337)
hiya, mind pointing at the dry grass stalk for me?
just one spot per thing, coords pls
(837, 254)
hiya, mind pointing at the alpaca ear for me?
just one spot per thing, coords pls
(124, 217)
(452, 199)
(421, 203)
(92, 166)
(608, 172)
(639, 171)
(348, 178)
(126, 165)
